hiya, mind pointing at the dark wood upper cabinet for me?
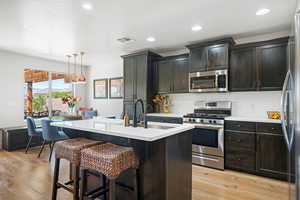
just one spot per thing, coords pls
(217, 57)
(198, 60)
(165, 71)
(139, 80)
(142, 77)
(172, 74)
(181, 76)
(129, 78)
(272, 65)
(243, 73)
(259, 66)
(210, 55)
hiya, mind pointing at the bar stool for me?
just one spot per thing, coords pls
(71, 151)
(109, 160)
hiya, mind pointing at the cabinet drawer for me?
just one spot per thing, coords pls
(269, 128)
(240, 141)
(240, 126)
(241, 160)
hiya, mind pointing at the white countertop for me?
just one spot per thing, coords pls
(253, 119)
(115, 127)
(177, 115)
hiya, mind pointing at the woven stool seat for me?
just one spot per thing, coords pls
(109, 159)
(71, 149)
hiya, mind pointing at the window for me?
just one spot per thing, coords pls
(43, 92)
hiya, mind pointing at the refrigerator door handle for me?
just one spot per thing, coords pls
(283, 106)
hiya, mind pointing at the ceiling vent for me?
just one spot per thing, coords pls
(125, 40)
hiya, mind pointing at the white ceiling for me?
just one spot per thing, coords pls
(52, 28)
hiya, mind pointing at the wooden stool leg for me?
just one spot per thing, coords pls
(55, 179)
(76, 183)
(112, 189)
(83, 184)
(137, 184)
(104, 185)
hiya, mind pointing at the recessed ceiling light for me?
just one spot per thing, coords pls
(151, 39)
(263, 11)
(87, 6)
(196, 28)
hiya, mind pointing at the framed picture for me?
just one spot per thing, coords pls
(100, 88)
(116, 88)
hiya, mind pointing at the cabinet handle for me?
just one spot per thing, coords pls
(239, 140)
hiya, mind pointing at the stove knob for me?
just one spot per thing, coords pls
(201, 120)
(190, 120)
(194, 120)
(210, 121)
(214, 121)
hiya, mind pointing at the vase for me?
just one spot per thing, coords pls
(72, 111)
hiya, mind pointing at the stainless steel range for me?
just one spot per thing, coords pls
(208, 135)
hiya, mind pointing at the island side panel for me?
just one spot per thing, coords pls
(165, 168)
(179, 167)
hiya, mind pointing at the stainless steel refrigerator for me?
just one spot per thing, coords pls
(290, 114)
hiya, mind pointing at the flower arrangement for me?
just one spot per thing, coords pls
(163, 101)
(71, 101)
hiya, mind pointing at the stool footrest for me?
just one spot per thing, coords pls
(125, 186)
(95, 190)
(99, 193)
(61, 185)
(70, 182)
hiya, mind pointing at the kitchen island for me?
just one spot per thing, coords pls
(164, 150)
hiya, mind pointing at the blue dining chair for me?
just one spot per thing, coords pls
(51, 134)
(33, 131)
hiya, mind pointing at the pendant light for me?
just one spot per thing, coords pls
(68, 78)
(81, 78)
(74, 75)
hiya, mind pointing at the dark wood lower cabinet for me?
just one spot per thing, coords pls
(17, 138)
(271, 159)
(240, 159)
(256, 148)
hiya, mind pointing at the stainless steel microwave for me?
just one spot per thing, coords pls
(211, 81)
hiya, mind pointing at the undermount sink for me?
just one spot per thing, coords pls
(156, 126)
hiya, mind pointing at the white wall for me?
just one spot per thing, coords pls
(12, 84)
(105, 65)
(244, 104)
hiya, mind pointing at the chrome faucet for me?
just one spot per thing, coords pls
(135, 121)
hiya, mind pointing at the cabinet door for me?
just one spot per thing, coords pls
(129, 78)
(243, 73)
(271, 155)
(181, 76)
(165, 76)
(217, 56)
(272, 65)
(198, 59)
(141, 77)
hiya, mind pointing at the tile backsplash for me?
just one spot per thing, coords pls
(244, 104)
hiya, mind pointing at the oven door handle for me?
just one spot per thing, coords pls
(205, 158)
(214, 127)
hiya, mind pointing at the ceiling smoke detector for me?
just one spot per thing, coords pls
(125, 40)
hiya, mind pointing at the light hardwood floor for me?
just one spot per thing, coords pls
(24, 177)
